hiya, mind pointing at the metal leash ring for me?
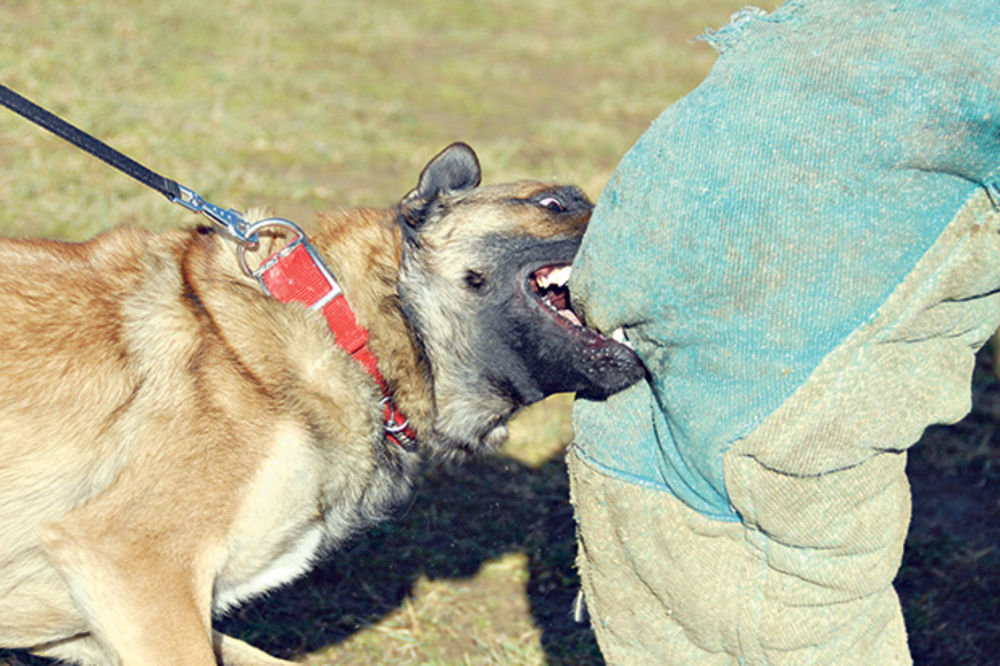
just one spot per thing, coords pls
(391, 425)
(253, 232)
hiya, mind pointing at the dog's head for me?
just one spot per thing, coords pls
(483, 284)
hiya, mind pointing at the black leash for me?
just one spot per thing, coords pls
(231, 221)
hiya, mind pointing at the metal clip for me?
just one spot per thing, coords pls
(230, 221)
(392, 425)
(300, 239)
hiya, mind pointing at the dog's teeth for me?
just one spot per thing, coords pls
(556, 277)
(560, 276)
(618, 335)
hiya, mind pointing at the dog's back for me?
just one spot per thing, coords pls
(119, 391)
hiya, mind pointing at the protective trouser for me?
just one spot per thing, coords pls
(805, 251)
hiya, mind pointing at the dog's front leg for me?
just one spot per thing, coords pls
(234, 652)
(133, 559)
(142, 608)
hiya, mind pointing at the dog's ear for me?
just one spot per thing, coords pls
(454, 169)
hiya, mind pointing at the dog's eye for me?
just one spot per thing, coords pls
(552, 204)
(475, 280)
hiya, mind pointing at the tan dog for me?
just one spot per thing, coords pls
(173, 441)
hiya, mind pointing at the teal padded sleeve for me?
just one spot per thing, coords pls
(767, 214)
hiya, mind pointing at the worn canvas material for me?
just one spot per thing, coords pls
(806, 253)
(806, 576)
(768, 215)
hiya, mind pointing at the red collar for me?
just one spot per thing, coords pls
(297, 273)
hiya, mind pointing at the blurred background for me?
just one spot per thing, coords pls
(301, 106)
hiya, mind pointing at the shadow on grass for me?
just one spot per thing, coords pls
(460, 518)
(950, 576)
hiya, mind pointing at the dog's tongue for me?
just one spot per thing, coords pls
(554, 278)
(571, 316)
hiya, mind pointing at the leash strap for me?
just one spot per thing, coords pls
(294, 273)
(102, 151)
(229, 221)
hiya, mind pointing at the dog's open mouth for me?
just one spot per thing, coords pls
(549, 286)
(581, 359)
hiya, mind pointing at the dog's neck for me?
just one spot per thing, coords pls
(363, 248)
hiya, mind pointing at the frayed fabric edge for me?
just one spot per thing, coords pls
(724, 38)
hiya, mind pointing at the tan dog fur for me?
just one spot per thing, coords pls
(174, 441)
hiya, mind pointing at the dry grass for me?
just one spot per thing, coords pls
(304, 105)
(300, 105)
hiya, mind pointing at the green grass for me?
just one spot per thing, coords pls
(301, 106)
